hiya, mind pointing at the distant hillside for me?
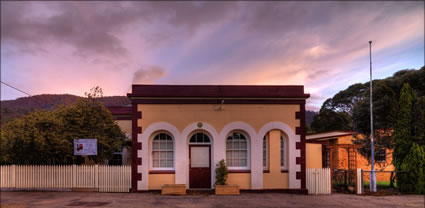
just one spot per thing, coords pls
(11, 109)
(309, 116)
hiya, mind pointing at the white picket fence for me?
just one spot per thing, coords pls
(318, 181)
(102, 177)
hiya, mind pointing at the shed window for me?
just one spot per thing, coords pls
(381, 155)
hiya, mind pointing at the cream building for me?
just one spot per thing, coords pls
(180, 132)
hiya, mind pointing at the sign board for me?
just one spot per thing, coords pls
(85, 146)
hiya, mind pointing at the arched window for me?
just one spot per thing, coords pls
(237, 150)
(200, 138)
(162, 151)
(283, 153)
(265, 167)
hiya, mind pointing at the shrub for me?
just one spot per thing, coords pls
(221, 173)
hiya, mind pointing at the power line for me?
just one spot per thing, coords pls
(15, 88)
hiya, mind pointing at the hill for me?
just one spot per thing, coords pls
(11, 109)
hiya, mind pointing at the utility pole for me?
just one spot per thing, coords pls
(372, 169)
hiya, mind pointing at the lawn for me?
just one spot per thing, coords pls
(380, 184)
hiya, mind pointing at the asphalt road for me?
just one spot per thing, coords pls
(147, 200)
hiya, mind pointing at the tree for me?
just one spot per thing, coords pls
(90, 119)
(403, 127)
(409, 155)
(46, 137)
(413, 165)
(354, 103)
(384, 111)
(329, 120)
(419, 121)
(35, 139)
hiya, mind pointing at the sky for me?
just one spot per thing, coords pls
(69, 47)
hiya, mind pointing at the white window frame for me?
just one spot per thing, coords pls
(200, 143)
(151, 151)
(285, 152)
(248, 152)
(266, 139)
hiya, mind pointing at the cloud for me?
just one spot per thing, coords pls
(85, 27)
(322, 45)
(148, 75)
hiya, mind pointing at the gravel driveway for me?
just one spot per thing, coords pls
(146, 200)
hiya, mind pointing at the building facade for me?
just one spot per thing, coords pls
(180, 133)
(338, 157)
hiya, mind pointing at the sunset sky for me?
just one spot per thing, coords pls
(69, 47)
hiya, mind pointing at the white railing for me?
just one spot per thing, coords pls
(104, 178)
(319, 181)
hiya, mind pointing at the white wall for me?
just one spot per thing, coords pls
(218, 149)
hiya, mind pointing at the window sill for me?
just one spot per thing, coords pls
(239, 171)
(161, 172)
(282, 171)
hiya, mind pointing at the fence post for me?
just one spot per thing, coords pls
(74, 176)
(96, 176)
(362, 180)
(359, 182)
(13, 174)
(316, 180)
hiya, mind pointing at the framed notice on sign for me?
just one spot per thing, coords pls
(85, 146)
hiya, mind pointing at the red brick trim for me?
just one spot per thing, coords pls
(162, 172)
(282, 171)
(120, 112)
(297, 115)
(121, 117)
(239, 171)
(139, 146)
(301, 146)
(298, 130)
(298, 160)
(135, 161)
